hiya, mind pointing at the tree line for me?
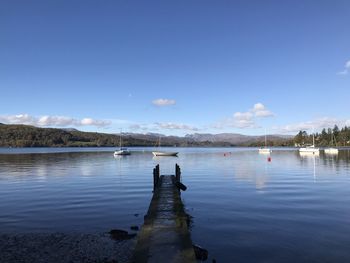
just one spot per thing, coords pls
(327, 137)
(30, 136)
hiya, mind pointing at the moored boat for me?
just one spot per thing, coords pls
(165, 153)
(332, 150)
(265, 150)
(162, 153)
(122, 150)
(310, 149)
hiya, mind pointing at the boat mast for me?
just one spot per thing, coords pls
(120, 139)
(265, 139)
(331, 138)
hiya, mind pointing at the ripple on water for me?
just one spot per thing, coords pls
(245, 209)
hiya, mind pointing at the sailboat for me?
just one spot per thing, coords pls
(265, 149)
(122, 150)
(161, 153)
(310, 149)
(332, 150)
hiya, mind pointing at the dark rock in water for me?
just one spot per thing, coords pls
(136, 215)
(189, 221)
(214, 260)
(118, 234)
(201, 253)
(181, 186)
(136, 228)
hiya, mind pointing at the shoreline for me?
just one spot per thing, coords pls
(64, 247)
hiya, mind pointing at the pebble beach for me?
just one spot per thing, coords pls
(64, 248)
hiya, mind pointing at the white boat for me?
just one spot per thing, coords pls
(310, 149)
(161, 153)
(122, 150)
(165, 153)
(332, 150)
(309, 154)
(265, 150)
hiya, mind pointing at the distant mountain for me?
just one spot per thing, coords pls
(234, 138)
(30, 136)
(70, 129)
(221, 137)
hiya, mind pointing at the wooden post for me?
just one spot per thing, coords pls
(177, 173)
(155, 176)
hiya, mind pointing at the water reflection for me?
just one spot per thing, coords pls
(245, 208)
(253, 167)
(310, 158)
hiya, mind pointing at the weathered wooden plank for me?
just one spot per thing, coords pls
(164, 237)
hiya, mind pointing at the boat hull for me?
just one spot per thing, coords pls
(122, 152)
(265, 150)
(309, 150)
(165, 153)
(331, 150)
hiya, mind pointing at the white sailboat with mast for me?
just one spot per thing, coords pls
(265, 149)
(332, 150)
(162, 153)
(122, 150)
(310, 149)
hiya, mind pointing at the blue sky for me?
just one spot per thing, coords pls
(175, 67)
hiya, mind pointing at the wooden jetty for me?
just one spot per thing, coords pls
(164, 237)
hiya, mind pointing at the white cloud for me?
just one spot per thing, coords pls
(51, 121)
(93, 122)
(142, 127)
(157, 126)
(260, 111)
(175, 126)
(241, 120)
(243, 115)
(17, 119)
(317, 124)
(346, 69)
(246, 119)
(163, 102)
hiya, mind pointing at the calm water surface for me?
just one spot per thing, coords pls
(245, 209)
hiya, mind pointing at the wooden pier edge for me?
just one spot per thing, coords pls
(164, 236)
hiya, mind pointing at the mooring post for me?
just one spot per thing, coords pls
(177, 173)
(155, 176)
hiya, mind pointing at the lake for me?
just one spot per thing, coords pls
(245, 208)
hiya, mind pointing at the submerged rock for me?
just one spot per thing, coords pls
(118, 234)
(135, 228)
(201, 253)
